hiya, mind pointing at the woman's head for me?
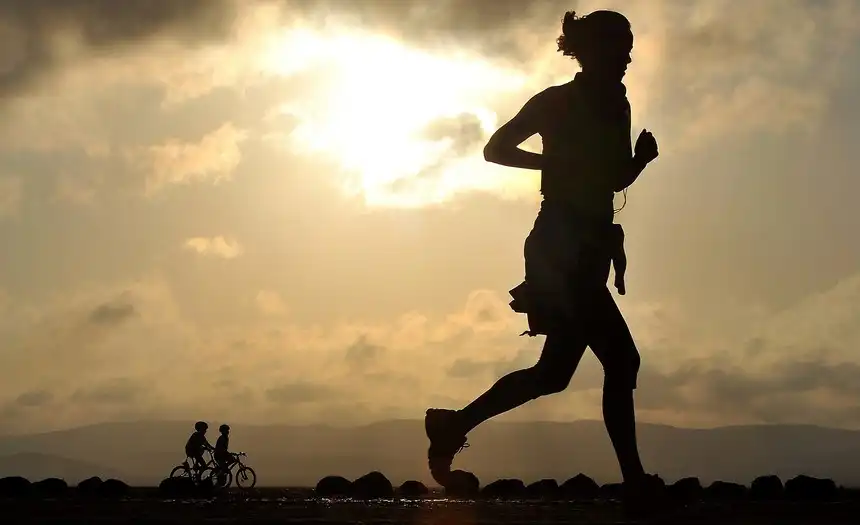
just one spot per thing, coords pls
(600, 41)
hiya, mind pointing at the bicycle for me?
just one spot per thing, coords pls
(245, 476)
(187, 470)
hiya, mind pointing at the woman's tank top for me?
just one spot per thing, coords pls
(587, 147)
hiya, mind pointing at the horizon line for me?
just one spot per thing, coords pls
(405, 420)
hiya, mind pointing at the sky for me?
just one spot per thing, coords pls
(278, 211)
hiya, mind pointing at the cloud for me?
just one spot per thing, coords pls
(758, 105)
(805, 390)
(828, 317)
(43, 37)
(296, 393)
(114, 312)
(114, 391)
(270, 303)
(11, 196)
(486, 311)
(700, 76)
(469, 369)
(213, 159)
(692, 45)
(487, 25)
(34, 399)
(37, 37)
(767, 70)
(78, 189)
(703, 74)
(298, 371)
(464, 131)
(219, 246)
(362, 352)
(724, 75)
(76, 346)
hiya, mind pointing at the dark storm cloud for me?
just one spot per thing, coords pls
(33, 399)
(112, 313)
(32, 31)
(492, 26)
(484, 24)
(29, 30)
(701, 386)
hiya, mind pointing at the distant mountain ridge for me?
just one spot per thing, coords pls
(35, 466)
(299, 455)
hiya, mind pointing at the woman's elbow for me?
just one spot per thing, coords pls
(622, 184)
(491, 152)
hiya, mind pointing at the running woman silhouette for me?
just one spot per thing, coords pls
(587, 157)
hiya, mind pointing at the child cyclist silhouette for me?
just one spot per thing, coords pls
(587, 157)
(197, 445)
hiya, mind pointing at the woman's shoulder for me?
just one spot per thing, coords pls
(548, 101)
(553, 102)
(557, 91)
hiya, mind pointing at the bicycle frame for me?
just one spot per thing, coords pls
(189, 462)
(237, 462)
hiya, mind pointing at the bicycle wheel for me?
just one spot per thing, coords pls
(246, 478)
(206, 474)
(180, 471)
(220, 478)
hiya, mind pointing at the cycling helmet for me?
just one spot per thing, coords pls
(200, 426)
(224, 428)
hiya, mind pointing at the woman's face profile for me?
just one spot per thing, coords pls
(611, 54)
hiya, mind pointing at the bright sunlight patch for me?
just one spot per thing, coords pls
(407, 127)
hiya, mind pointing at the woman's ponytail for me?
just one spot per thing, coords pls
(571, 34)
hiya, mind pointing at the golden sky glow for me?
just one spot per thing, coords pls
(377, 99)
(291, 203)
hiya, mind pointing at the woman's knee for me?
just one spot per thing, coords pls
(550, 380)
(622, 373)
(559, 359)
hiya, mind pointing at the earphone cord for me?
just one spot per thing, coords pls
(623, 204)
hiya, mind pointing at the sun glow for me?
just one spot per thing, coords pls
(373, 104)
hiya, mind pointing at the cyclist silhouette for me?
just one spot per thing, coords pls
(222, 448)
(197, 445)
(587, 157)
